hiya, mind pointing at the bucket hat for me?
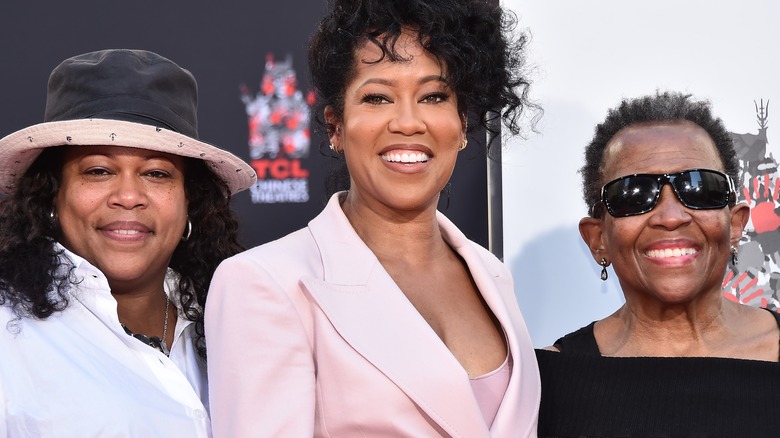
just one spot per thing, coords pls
(120, 97)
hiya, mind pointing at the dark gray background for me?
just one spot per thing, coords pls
(223, 44)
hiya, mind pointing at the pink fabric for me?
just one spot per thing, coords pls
(310, 337)
(489, 389)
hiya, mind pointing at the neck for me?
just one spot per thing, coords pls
(412, 236)
(691, 329)
(144, 312)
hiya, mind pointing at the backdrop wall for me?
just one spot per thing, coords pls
(249, 58)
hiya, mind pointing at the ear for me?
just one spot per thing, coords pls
(334, 131)
(464, 122)
(591, 231)
(740, 213)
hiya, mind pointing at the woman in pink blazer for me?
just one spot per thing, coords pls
(381, 318)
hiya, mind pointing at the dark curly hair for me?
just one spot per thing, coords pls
(34, 279)
(660, 107)
(474, 40)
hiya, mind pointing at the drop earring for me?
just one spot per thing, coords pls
(604, 273)
(734, 259)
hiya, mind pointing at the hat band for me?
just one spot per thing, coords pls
(128, 109)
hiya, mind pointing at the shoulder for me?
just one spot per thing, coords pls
(291, 244)
(299, 247)
(775, 315)
(289, 252)
(278, 265)
(581, 341)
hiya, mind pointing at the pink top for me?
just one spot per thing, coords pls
(489, 389)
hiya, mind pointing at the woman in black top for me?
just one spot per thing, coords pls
(678, 359)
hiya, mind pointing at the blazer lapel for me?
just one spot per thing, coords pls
(377, 320)
(521, 400)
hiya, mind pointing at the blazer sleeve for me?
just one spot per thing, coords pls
(260, 362)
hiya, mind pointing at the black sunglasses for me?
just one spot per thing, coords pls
(697, 189)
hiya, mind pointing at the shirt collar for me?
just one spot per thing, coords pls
(84, 268)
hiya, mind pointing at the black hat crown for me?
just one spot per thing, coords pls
(128, 85)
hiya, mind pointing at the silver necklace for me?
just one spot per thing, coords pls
(164, 343)
(154, 341)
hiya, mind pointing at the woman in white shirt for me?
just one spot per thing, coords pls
(115, 218)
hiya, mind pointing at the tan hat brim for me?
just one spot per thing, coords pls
(19, 149)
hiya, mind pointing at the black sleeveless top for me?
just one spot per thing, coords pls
(585, 394)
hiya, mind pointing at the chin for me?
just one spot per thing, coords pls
(125, 273)
(679, 296)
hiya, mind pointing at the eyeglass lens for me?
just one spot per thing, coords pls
(637, 194)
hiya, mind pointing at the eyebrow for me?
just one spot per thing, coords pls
(156, 156)
(390, 82)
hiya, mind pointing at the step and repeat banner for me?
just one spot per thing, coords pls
(255, 97)
(256, 101)
(587, 56)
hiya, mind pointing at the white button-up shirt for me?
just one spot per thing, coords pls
(78, 374)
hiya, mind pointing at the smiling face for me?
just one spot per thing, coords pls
(400, 129)
(672, 254)
(124, 210)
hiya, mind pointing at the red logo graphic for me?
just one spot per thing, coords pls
(278, 116)
(756, 278)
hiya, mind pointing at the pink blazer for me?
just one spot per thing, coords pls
(309, 336)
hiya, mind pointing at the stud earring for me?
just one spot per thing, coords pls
(604, 273)
(734, 259)
(53, 218)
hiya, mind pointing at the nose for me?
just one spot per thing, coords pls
(669, 212)
(128, 192)
(406, 119)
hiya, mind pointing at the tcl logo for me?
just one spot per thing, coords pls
(280, 168)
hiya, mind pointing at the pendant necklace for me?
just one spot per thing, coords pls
(154, 341)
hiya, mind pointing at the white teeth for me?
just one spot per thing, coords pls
(406, 157)
(126, 231)
(670, 252)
